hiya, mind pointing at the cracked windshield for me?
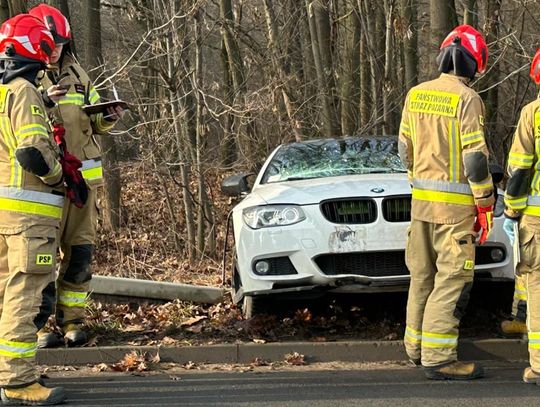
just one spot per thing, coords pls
(331, 158)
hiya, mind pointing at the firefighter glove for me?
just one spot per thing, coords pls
(508, 227)
(76, 188)
(484, 222)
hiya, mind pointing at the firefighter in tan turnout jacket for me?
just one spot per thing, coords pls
(31, 200)
(441, 142)
(522, 201)
(67, 88)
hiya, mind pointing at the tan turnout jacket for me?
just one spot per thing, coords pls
(80, 127)
(441, 140)
(29, 164)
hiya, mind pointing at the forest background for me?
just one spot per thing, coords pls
(216, 85)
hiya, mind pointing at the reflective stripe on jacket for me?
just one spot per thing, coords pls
(523, 187)
(441, 142)
(28, 161)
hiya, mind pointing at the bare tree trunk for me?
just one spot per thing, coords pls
(113, 183)
(228, 147)
(492, 35)
(319, 27)
(470, 13)
(410, 41)
(236, 65)
(350, 76)
(443, 19)
(181, 130)
(365, 83)
(204, 209)
(17, 7)
(280, 61)
(388, 89)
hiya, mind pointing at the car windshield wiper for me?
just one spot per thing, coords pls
(297, 178)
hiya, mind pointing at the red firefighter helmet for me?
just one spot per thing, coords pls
(467, 38)
(55, 21)
(535, 68)
(25, 38)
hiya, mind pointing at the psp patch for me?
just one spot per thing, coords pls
(44, 259)
(36, 111)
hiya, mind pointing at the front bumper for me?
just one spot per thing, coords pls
(306, 243)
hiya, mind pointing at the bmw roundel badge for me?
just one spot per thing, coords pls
(377, 190)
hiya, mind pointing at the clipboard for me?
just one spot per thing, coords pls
(102, 107)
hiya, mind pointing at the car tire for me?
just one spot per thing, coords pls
(252, 306)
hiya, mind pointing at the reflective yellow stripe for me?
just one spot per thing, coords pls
(31, 130)
(93, 174)
(405, 129)
(434, 340)
(433, 102)
(54, 173)
(30, 208)
(102, 125)
(534, 340)
(452, 151)
(4, 125)
(515, 203)
(537, 124)
(72, 99)
(72, 298)
(531, 210)
(446, 197)
(475, 186)
(13, 349)
(412, 335)
(413, 131)
(472, 137)
(94, 96)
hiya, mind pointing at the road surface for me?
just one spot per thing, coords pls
(379, 386)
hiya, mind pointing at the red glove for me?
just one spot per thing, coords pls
(484, 222)
(76, 188)
(59, 132)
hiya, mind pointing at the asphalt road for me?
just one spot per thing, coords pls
(375, 387)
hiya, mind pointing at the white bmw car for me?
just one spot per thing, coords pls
(331, 216)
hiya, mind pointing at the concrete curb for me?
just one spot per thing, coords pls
(361, 351)
(130, 287)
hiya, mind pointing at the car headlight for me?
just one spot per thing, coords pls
(258, 217)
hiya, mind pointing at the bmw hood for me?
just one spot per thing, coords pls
(313, 191)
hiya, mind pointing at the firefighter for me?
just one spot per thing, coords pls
(441, 142)
(31, 201)
(67, 88)
(522, 201)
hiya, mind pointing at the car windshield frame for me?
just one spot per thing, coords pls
(333, 158)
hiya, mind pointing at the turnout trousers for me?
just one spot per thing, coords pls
(529, 269)
(440, 258)
(77, 236)
(27, 266)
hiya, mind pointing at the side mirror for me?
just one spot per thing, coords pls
(235, 185)
(497, 173)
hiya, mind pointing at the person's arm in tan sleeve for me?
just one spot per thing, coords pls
(520, 161)
(475, 152)
(35, 152)
(405, 142)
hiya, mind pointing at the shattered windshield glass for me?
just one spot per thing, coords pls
(330, 158)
